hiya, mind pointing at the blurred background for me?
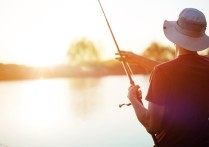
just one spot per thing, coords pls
(59, 82)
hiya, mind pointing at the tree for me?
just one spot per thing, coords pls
(83, 51)
(159, 53)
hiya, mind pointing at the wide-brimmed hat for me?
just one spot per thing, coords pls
(188, 31)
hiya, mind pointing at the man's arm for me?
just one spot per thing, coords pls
(133, 58)
(150, 118)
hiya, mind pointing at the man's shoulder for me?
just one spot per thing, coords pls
(167, 65)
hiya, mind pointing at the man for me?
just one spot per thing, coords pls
(178, 95)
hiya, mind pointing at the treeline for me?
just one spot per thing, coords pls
(92, 66)
(19, 72)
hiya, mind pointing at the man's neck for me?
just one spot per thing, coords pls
(182, 51)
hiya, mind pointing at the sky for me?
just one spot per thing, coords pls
(39, 32)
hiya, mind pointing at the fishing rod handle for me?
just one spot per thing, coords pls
(139, 98)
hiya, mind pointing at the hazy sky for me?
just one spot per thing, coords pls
(39, 32)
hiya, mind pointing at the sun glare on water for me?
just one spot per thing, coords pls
(43, 109)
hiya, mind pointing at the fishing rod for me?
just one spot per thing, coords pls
(126, 67)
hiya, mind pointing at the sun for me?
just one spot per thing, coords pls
(43, 60)
(40, 58)
(37, 51)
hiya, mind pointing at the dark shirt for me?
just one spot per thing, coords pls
(182, 87)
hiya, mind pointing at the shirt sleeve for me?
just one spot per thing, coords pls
(158, 88)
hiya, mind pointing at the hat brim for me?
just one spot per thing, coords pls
(187, 42)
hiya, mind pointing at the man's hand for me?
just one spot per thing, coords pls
(134, 93)
(127, 56)
(133, 58)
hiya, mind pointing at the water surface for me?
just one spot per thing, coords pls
(81, 112)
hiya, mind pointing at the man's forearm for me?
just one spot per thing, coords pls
(141, 113)
(147, 63)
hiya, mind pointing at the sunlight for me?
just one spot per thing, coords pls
(36, 54)
(42, 60)
(43, 110)
(42, 38)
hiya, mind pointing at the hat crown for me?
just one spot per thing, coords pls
(191, 22)
(192, 15)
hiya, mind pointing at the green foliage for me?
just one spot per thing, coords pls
(83, 51)
(159, 53)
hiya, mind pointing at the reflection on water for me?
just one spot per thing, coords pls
(3, 145)
(86, 96)
(83, 83)
(69, 113)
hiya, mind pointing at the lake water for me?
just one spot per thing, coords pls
(81, 112)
